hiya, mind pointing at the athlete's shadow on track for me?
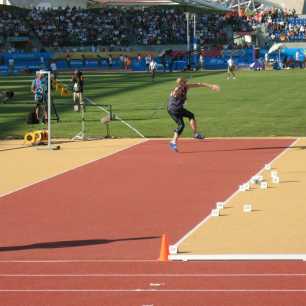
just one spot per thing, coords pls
(70, 244)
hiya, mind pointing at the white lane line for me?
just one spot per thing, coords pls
(179, 275)
(188, 234)
(117, 117)
(154, 290)
(72, 169)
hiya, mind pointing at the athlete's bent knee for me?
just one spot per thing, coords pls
(192, 117)
(180, 128)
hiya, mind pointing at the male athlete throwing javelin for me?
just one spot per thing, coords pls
(177, 112)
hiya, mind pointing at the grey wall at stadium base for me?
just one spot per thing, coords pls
(45, 3)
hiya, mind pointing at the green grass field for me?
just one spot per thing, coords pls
(267, 103)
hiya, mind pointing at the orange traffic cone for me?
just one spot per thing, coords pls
(164, 249)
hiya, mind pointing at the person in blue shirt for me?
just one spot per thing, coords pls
(39, 89)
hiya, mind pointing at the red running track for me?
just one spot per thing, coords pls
(116, 209)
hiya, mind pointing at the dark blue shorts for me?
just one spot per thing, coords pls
(178, 115)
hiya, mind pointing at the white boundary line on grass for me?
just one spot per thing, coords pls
(72, 169)
(235, 256)
(117, 117)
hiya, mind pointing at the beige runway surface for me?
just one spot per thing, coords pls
(275, 226)
(22, 166)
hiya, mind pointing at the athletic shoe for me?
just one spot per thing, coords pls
(198, 136)
(173, 146)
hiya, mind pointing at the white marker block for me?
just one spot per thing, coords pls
(260, 178)
(275, 179)
(268, 167)
(247, 186)
(274, 173)
(247, 208)
(153, 285)
(220, 205)
(215, 212)
(264, 185)
(173, 249)
(241, 188)
(257, 179)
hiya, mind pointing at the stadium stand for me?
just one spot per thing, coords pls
(95, 33)
(283, 26)
(117, 27)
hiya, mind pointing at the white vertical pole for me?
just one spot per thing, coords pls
(253, 5)
(49, 104)
(194, 32)
(188, 34)
(49, 109)
(195, 24)
(239, 9)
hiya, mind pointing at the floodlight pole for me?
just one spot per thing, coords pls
(194, 32)
(188, 34)
(239, 8)
(49, 109)
(253, 5)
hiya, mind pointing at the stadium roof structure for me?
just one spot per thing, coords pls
(206, 5)
(251, 4)
(187, 4)
(136, 2)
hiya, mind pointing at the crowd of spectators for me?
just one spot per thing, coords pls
(285, 27)
(134, 26)
(112, 27)
(117, 26)
(217, 29)
(13, 24)
(282, 25)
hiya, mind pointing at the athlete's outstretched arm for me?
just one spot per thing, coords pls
(213, 87)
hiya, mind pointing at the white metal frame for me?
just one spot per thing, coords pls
(49, 146)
